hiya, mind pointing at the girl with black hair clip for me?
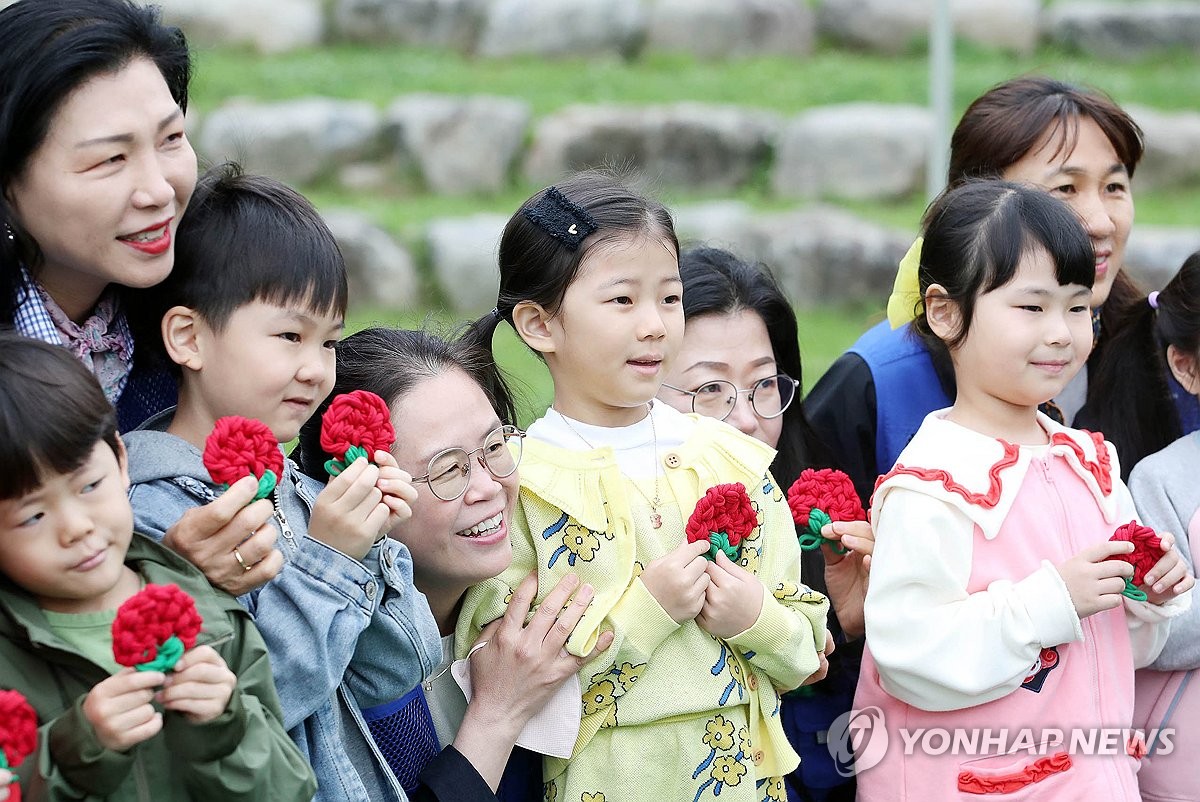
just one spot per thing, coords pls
(685, 703)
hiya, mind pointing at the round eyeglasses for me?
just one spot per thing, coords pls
(450, 470)
(769, 397)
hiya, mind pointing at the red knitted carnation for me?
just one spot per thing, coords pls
(828, 490)
(146, 624)
(1147, 551)
(18, 734)
(240, 447)
(356, 424)
(819, 497)
(724, 513)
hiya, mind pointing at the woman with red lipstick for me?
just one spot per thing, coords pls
(1076, 144)
(454, 433)
(95, 171)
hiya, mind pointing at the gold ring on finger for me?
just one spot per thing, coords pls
(238, 556)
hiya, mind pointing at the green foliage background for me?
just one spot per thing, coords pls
(788, 86)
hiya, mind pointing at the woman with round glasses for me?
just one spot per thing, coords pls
(459, 443)
(740, 362)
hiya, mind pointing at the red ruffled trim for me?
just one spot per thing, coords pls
(986, 500)
(1101, 469)
(971, 783)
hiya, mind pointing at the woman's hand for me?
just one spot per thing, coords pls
(207, 536)
(846, 575)
(520, 668)
(823, 658)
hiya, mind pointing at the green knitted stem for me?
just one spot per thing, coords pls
(168, 655)
(719, 541)
(4, 761)
(812, 539)
(266, 484)
(335, 466)
(1132, 591)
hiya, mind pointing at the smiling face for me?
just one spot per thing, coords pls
(734, 348)
(65, 541)
(454, 544)
(618, 330)
(270, 362)
(1026, 340)
(1093, 181)
(103, 194)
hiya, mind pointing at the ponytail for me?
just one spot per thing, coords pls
(477, 337)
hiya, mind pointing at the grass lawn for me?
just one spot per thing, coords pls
(788, 86)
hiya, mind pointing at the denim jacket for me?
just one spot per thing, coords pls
(342, 634)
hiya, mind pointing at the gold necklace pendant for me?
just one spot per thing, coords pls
(655, 518)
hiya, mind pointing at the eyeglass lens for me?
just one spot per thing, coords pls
(450, 471)
(769, 397)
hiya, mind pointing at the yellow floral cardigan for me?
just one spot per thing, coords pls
(577, 513)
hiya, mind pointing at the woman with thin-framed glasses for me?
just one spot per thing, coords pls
(740, 362)
(463, 449)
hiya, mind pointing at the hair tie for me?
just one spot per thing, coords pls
(1152, 299)
(906, 291)
(496, 313)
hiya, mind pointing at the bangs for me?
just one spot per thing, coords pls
(52, 414)
(1025, 221)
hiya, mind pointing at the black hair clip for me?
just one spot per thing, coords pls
(567, 222)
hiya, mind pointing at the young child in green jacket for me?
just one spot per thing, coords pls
(210, 729)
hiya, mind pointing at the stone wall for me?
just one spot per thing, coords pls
(706, 28)
(481, 145)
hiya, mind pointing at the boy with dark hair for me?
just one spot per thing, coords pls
(255, 306)
(68, 559)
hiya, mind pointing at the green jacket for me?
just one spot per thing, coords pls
(243, 754)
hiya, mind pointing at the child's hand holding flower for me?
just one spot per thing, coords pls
(1169, 576)
(732, 601)
(200, 686)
